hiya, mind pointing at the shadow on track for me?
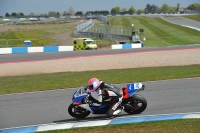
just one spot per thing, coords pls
(93, 118)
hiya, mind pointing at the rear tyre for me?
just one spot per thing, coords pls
(138, 102)
(77, 112)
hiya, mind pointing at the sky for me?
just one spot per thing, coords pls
(44, 6)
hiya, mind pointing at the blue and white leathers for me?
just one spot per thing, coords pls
(83, 104)
(80, 95)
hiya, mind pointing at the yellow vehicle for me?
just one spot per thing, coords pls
(84, 43)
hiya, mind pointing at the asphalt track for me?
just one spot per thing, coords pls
(164, 97)
(73, 54)
(182, 21)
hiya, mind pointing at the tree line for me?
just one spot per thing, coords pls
(115, 10)
(153, 9)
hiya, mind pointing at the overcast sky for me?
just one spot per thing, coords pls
(44, 6)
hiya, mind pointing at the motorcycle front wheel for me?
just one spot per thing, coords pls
(77, 112)
(138, 104)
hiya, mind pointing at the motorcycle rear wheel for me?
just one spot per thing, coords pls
(77, 112)
(138, 102)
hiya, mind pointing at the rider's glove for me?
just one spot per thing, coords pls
(87, 91)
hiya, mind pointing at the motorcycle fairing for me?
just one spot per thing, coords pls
(99, 109)
(86, 106)
(95, 109)
(77, 97)
(133, 88)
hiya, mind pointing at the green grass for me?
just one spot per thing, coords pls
(170, 126)
(30, 83)
(39, 37)
(193, 17)
(159, 32)
(156, 31)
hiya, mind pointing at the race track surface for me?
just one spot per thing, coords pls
(163, 97)
(100, 60)
(182, 21)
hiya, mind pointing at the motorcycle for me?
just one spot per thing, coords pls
(132, 103)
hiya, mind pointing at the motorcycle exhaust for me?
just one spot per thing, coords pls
(128, 106)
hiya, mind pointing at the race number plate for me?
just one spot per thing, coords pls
(133, 86)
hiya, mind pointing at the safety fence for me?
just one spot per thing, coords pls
(102, 18)
(104, 31)
(84, 26)
(104, 36)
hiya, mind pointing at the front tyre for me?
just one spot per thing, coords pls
(138, 102)
(77, 112)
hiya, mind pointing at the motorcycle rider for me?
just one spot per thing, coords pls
(99, 89)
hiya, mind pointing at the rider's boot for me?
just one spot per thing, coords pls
(111, 112)
(118, 110)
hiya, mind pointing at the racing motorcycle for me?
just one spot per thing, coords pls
(132, 103)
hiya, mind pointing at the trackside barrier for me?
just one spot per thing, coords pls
(127, 46)
(119, 120)
(21, 50)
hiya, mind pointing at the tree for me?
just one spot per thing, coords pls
(154, 8)
(131, 10)
(124, 9)
(172, 9)
(57, 14)
(105, 12)
(140, 11)
(65, 13)
(151, 8)
(14, 14)
(79, 13)
(97, 13)
(32, 14)
(148, 8)
(20, 14)
(71, 11)
(115, 10)
(7, 15)
(165, 8)
(52, 14)
(89, 13)
(195, 6)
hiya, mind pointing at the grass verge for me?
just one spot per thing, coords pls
(39, 36)
(158, 32)
(40, 33)
(171, 126)
(193, 17)
(40, 82)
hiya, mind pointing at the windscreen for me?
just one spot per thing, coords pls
(90, 42)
